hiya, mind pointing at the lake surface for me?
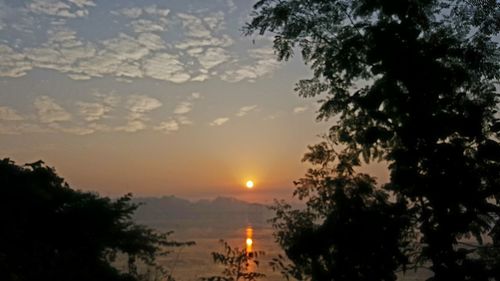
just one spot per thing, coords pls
(190, 263)
(193, 262)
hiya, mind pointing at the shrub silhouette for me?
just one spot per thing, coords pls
(52, 232)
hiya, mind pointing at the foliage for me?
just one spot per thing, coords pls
(53, 232)
(236, 264)
(411, 83)
(349, 229)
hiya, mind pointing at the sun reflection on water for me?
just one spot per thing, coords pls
(249, 239)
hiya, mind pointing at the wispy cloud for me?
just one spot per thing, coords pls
(132, 126)
(12, 63)
(263, 62)
(133, 12)
(219, 121)
(167, 126)
(144, 25)
(166, 67)
(103, 113)
(136, 12)
(139, 105)
(83, 3)
(93, 111)
(195, 96)
(299, 109)
(212, 57)
(49, 111)
(222, 41)
(245, 110)
(9, 114)
(60, 8)
(193, 25)
(183, 107)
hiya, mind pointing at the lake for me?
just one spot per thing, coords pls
(190, 263)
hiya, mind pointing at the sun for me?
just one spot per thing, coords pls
(249, 184)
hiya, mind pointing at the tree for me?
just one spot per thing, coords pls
(52, 232)
(411, 83)
(236, 264)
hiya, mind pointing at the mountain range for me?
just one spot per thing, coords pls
(173, 212)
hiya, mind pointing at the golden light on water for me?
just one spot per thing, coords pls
(249, 242)
(249, 239)
(249, 184)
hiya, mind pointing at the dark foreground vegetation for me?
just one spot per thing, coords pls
(413, 83)
(52, 232)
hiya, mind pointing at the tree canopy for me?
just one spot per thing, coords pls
(52, 232)
(413, 83)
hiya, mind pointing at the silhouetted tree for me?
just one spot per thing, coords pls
(236, 264)
(411, 82)
(52, 232)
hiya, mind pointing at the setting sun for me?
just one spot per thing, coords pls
(249, 184)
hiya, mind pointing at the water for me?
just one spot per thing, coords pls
(190, 263)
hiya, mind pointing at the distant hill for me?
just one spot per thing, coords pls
(174, 212)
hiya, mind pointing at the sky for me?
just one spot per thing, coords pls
(152, 97)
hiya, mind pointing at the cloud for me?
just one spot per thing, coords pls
(154, 10)
(108, 99)
(299, 109)
(200, 78)
(9, 114)
(101, 127)
(183, 107)
(60, 8)
(195, 51)
(151, 41)
(193, 26)
(138, 105)
(166, 67)
(12, 63)
(245, 109)
(215, 21)
(212, 57)
(231, 5)
(129, 12)
(143, 25)
(136, 12)
(49, 111)
(167, 126)
(263, 62)
(198, 46)
(223, 41)
(82, 3)
(125, 47)
(79, 76)
(219, 121)
(132, 126)
(93, 111)
(121, 56)
(195, 96)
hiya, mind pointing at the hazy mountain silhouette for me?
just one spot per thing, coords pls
(174, 212)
